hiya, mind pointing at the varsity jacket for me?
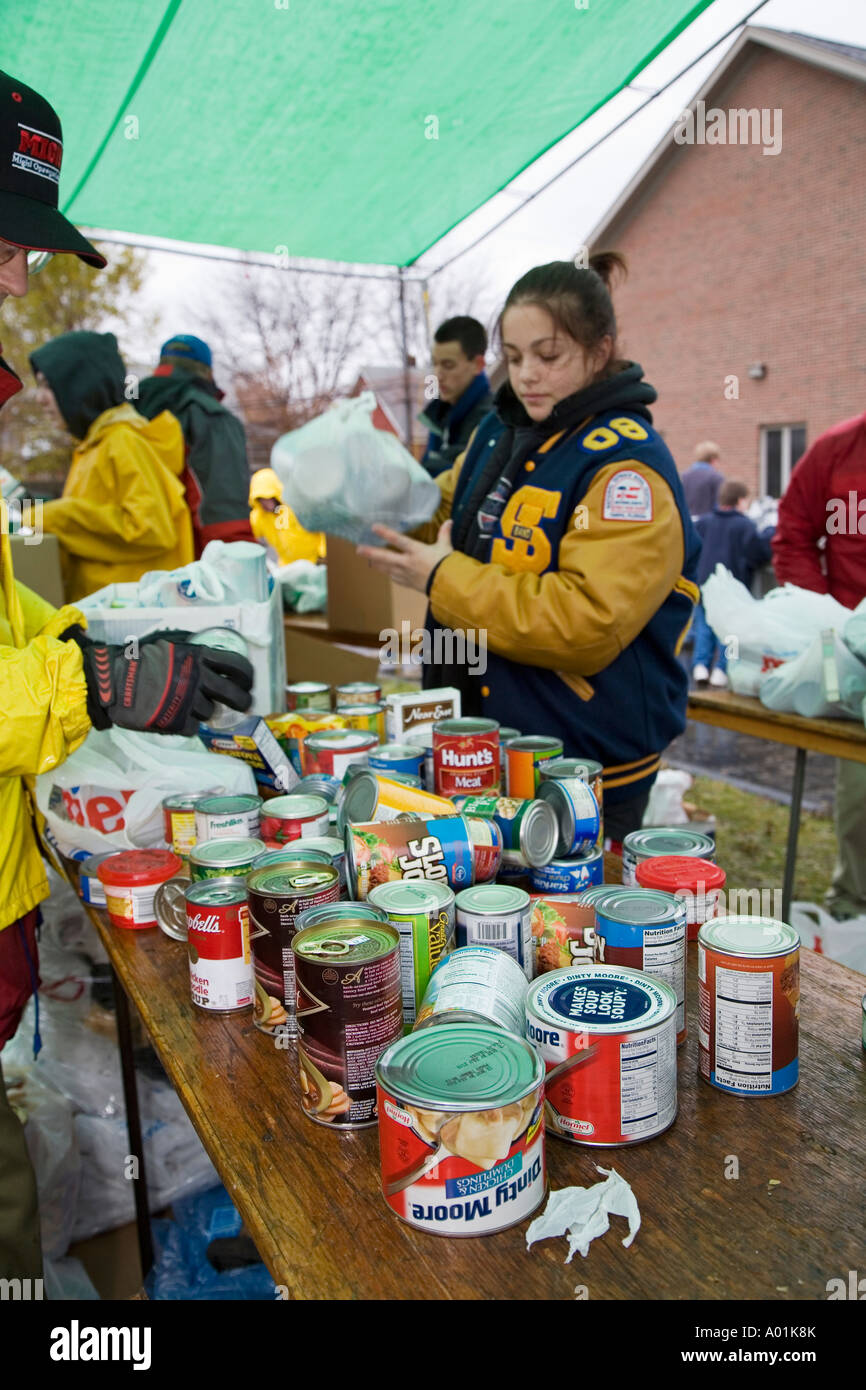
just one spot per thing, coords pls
(582, 579)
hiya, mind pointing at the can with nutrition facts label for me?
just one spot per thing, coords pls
(498, 915)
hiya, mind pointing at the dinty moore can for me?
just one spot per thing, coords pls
(498, 915)
(646, 929)
(422, 918)
(218, 945)
(349, 1010)
(277, 897)
(749, 1005)
(607, 1035)
(461, 1129)
(465, 756)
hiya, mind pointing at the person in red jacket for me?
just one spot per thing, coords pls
(820, 544)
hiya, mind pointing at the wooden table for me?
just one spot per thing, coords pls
(311, 1199)
(839, 738)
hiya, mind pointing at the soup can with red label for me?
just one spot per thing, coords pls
(286, 818)
(218, 943)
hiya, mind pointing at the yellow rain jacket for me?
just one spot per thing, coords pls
(281, 529)
(43, 696)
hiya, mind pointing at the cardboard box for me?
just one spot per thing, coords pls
(314, 654)
(38, 566)
(361, 600)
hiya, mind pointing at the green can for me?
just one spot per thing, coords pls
(355, 913)
(224, 858)
(299, 850)
(421, 917)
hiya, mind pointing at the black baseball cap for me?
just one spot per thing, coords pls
(31, 150)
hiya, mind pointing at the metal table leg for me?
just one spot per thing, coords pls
(793, 832)
(133, 1124)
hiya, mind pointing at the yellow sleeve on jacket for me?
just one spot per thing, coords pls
(613, 575)
(129, 514)
(43, 693)
(446, 482)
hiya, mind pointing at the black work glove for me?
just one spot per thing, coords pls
(165, 685)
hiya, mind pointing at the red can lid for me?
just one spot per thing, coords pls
(132, 866)
(671, 872)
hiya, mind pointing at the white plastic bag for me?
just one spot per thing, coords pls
(826, 681)
(84, 800)
(304, 586)
(340, 474)
(854, 631)
(49, 1133)
(665, 805)
(844, 942)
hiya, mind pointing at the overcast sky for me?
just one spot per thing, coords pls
(557, 222)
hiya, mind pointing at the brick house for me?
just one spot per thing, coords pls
(746, 296)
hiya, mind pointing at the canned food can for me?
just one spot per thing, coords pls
(227, 818)
(277, 897)
(397, 757)
(350, 1009)
(495, 914)
(486, 840)
(662, 839)
(423, 739)
(465, 756)
(423, 923)
(563, 929)
(507, 733)
(569, 875)
(218, 943)
(287, 818)
(461, 1129)
(530, 830)
(749, 1005)
(291, 853)
(130, 879)
(224, 858)
(698, 883)
(169, 904)
(331, 751)
(384, 851)
(90, 888)
(178, 818)
(577, 814)
(607, 1035)
(334, 851)
(339, 912)
(357, 693)
(370, 718)
(313, 695)
(524, 758)
(369, 796)
(476, 983)
(646, 930)
(581, 770)
(317, 785)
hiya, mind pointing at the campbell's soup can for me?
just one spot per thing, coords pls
(698, 883)
(653, 840)
(218, 944)
(349, 1010)
(645, 929)
(571, 770)
(563, 930)
(524, 758)
(497, 915)
(278, 896)
(476, 983)
(329, 752)
(749, 1005)
(178, 818)
(287, 818)
(382, 851)
(461, 1129)
(465, 756)
(227, 818)
(308, 695)
(426, 928)
(569, 875)
(607, 1035)
(357, 693)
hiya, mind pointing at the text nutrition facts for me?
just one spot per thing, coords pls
(744, 1029)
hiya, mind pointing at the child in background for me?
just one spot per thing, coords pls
(732, 539)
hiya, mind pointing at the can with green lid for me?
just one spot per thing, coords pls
(461, 1129)
(340, 912)
(498, 915)
(663, 839)
(646, 930)
(749, 1005)
(227, 817)
(224, 858)
(278, 895)
(298, 849)
(421, 917)
(349, 1010)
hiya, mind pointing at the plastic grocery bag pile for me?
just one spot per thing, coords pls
(340, 474)
(798, 651)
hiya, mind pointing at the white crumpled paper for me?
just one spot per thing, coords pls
(583, 1213)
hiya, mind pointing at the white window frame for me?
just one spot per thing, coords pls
(785, 431)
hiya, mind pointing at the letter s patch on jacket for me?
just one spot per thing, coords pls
(627, 497)
(524, 545)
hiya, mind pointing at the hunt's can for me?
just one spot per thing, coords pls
(331, 751)
(397, 757)
(278, 896)
(495, 914)
(569, 875)
(607, 1035)
(227, 817)
(370, 718)
(749, 1005)
(384, 851)
(529, 828)
(461, 1129)
(563, 930)
(476, 983)
(577, 814)
(313, 695)
(357, 693)
(287, 818)
(524, 758)
(465, 756)
(224, 858)
(349, 1009)
(369, 795)
(662, 839)
(178, 818)
(570, 770)
(218, 944)
(697, 882)
(422, 920)
(646, 930)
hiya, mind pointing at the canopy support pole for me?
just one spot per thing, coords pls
(404, 343)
